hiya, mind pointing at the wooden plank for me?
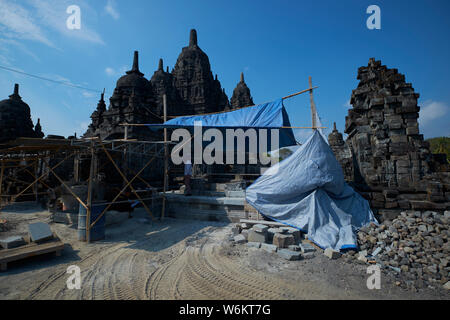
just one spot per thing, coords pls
(30, 250)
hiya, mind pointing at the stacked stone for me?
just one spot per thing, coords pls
(415, 247)
(15, 119)
(391, 159)
(286, 241)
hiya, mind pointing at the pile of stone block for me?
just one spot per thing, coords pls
(385, 157)
(285, 241)
(414, 247)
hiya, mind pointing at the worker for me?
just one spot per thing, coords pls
(187, 176)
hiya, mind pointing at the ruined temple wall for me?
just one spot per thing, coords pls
(390, 162)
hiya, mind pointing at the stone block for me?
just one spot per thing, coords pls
(240, 239)
(283, 240)
(254, 236)
(254, 244)
(332, 254)
(236, 230)
(308, 255)
(39, 231)
(269, 247)
(306, 247)
(245, 233)
(260, 228)
(289, 255)
(294, 248)
(295, 232)
(12, 242)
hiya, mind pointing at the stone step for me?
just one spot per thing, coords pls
(193, 200)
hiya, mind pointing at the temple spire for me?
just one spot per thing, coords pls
(193, 38)
(135, 68)
(334, 126)
(242, 77)
(160, 65)
(15, 95)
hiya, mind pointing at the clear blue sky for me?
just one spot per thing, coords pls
(277, 44)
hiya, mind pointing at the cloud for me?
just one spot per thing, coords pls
(88, 94)
(111, 9)
(110, 71)
(16, 22)
(35, 20)
(434, 118)
(347, 104)
(432, 110)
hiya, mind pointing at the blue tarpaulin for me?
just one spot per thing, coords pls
(308, 191)
(271, 115)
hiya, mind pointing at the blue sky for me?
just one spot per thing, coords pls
(277, 44)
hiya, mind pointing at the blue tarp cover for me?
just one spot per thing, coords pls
(308, 191)
(264, 116)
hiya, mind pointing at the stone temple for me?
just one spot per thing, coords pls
(384, 156)
(190, 89)
(15, 119)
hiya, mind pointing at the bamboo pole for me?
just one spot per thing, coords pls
(123, 189)
(126, 181)
(166, 159)
(313, 106)
(43, 175)
(65, 185)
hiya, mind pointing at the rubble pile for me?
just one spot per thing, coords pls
(415, 247)
(285, 241)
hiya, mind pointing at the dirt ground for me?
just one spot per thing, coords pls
(181, 259)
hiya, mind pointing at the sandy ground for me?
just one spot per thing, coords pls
(181, 259)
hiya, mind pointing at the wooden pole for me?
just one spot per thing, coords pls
(313, 106)
(89, 195)
(2, 170)
(166, 159)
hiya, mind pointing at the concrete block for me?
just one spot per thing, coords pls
(39, 231)
(331, 254)
(239, 239)
(306, 247)
(289, 255)
(254, 236)
(283, 240)
(260, 228)
(12, 242)
(254, 244)
(269, 247)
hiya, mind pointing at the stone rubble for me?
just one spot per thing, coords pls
(414, 247)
